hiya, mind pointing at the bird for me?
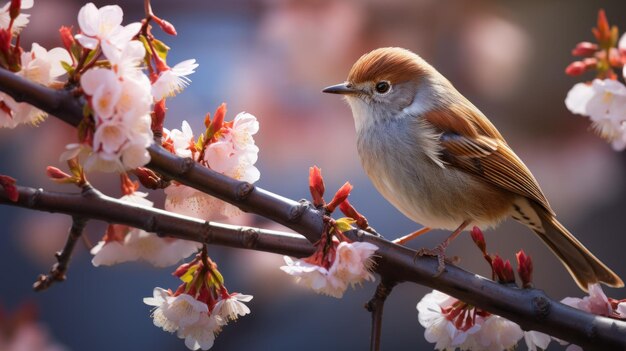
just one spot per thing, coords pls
(437, 158)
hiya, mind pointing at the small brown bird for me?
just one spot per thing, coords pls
(441, 162)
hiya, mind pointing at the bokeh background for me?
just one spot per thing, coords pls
(272, 58)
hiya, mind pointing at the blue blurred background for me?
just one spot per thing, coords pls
(272, 58)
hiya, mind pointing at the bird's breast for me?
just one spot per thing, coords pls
(397, 155)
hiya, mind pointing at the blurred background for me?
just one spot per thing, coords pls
(272, 58)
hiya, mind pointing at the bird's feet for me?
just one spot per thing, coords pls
(440, 253)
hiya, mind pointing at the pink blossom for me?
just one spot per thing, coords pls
(103, 26)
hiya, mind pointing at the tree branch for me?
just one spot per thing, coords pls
(57, 273)
(375, 306)
(530, 308)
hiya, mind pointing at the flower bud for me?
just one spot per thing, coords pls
(479, 239)
(575, 68)
(167, 27)
(502, 270)
(218, 119)
(585, 49)
(67, 38)
(316, 186)
(148, 178)
(14, 9)
(10, 190)
(58, 175)
(524, 268)
(340, 196)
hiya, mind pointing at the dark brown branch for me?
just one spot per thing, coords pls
(93, 204)
(376, 306)
(530, 308)
(57, 273)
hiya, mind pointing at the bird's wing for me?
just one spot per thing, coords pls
(475, 146)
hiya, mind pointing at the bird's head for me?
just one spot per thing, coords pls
(384, 82)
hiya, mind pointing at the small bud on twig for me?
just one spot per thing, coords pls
(340, 196)
(316, 186)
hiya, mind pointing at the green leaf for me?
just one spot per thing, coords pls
(67, 67)
(188, 276)
(344, 224)
(160, 48)
(200, 142)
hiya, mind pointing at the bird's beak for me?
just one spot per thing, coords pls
(343, 88)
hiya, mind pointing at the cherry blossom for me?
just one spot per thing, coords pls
(40, 66)
(604, 101)
(233, 153)
(201, 335)
(232, 306)
(173, 80)
(535, 340)
(20, 21)
(124, 244)
(354, 262)
(440, 330)
(315, 277)
(103, 26)
(596, 302)
(497, 334)
(331, 269)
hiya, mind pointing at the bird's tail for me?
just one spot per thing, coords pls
(584, 267)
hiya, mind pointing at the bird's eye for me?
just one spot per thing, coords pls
(382, 87)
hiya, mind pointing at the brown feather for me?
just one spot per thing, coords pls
(476, 149)
(392, 64)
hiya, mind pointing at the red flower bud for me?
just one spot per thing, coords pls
(316, 186)
(602, 32)
(14, 9)
(167, 27)
(58, 175)
(218, 119)
(158, 117)
(347, 209)
(479, 239)
(340, 196)
(575, 68)
(524, 268)
(509, 277)
(585, 49)
(67, 38)
(148, 178)
(502, 270)
(8, 184)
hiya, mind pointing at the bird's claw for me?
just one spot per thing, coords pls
(440, 253)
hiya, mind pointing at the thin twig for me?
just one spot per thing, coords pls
(376, 306)
(57, 273)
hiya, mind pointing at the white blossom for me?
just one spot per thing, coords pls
(136, 244)
(604, 101)
(233, 154)
(315, 277)
(497, 334)
(20, 21)
(160, 301)
(201, 334)
(103, 26)
(535, 340)
(173, 80)
(232, 307)
(441, 331)
(40, 66)
(354, 261)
